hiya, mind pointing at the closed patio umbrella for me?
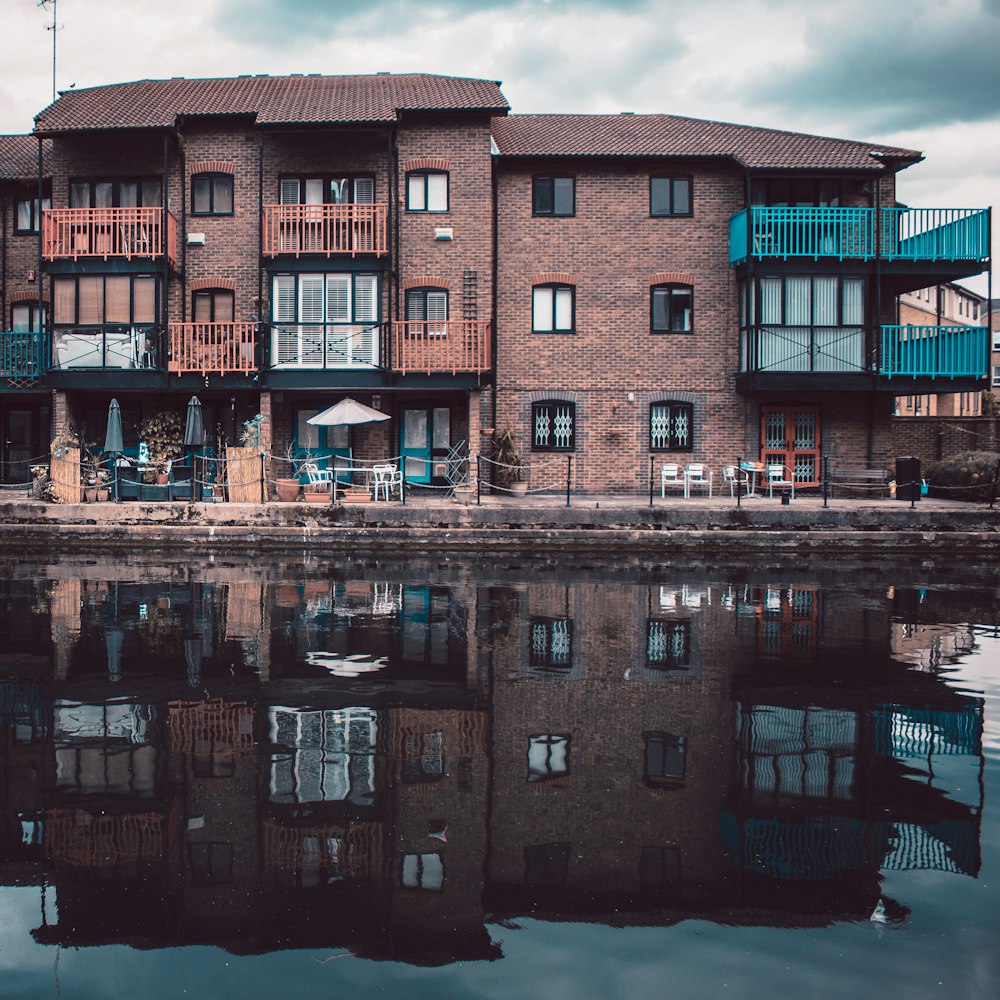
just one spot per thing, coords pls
(194, 437)
(113, 443)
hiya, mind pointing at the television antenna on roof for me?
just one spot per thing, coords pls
(53, 27)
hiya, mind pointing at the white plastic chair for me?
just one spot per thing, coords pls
(736, 482)
(696, 477)
(387, 478)
(776, 478)
(319, 479)
(671, 476)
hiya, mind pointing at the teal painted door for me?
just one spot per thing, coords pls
(426, 439)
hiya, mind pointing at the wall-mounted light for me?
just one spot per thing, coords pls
(631, 397)
(196, 239)
(444, 233)
(376, 402)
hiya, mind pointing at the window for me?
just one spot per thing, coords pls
(138, 193)
(996, 376)
(546, 864)
(663, 761)
(553, 196)
(548, 757)
(27, 217)
(212, 194)
(427, 191)
(211, 864)
(213, 305)
(424, 760)
(670, 426)
(818, 301)
(552, 426)
(668, 644)
(25, 317)
(671, 308)
(553, 309)
(551, 642)
(795, 191)
(322, 320)
(423, 871)
(427, 308)
(104, 299)
(327, 190)
(659, 866)
(670, 196)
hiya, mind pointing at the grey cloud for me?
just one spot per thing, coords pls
(266, 23)
(910, 71)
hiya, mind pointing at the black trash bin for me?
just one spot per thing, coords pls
(908, 479)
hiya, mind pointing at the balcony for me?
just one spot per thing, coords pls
(456, 345)
(895, 234)
(324, 345)
(788, 357)
(90, 348)
(219, 348)
(937, 352)
(324, 230)
(108, 233)
(20, 354)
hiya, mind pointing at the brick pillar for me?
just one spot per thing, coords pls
(266, 437)
(62, 415)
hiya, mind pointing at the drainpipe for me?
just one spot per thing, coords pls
(494, 333)
(182, 235)
(392, 273)
(878, 315)
(38, 273)
(260, 251)
(165, 296)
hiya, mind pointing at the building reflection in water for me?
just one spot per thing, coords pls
(386, 766)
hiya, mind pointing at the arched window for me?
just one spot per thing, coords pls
(213, 305)
(427, 191)
(671, 308)
(212, 194)
(553, 308)
(553, 424)
(671, 426)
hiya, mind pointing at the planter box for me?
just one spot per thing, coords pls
(357, 496)
(154, 494)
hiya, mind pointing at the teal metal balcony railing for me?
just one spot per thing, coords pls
(20, 354)
(935, 351)
(942, 234)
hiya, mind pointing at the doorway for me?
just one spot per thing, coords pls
(425, 443)
(791, 435)
(23, 431)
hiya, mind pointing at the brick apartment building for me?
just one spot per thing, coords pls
(615, 290)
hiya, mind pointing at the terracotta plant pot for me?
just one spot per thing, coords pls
(286, 490)
(316, 496)
(90, 494)
(162, 479)
(103, 493)
(519, 489)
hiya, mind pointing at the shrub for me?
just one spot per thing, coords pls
(965, 476)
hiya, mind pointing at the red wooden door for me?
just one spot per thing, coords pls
(791, 435)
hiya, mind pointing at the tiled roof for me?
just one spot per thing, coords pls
(272, 100)
(670, 135)
(18, 157)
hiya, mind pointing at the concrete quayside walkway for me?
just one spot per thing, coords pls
(592, 523)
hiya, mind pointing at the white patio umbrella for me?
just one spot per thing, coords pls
(347, 411)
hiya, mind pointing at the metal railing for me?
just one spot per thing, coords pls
(454, 345)
(935, 351)
(324, 345)
(20, 354)
(859, 233)
(72, 233)
(212, 347)
(802, 349)
(325, 229)
(126, 347)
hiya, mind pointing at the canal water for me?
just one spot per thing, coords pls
(469, 777)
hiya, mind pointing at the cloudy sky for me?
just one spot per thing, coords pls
(918, 73)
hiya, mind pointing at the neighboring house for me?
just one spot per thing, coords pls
(948, 305)
(617, 290)
(995, 346)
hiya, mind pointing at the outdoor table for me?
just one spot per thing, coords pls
(753, 470)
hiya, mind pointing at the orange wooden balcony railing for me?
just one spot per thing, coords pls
(72, 233)
(212, 347)
(454, 345)
(324, 229)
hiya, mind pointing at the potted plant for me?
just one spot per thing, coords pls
(287, 488)
(164, 434)
(510, 469)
